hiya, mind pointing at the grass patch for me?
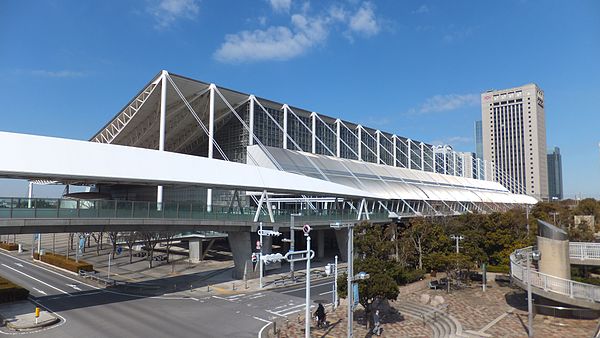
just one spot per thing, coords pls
(498, 268)
(62, 262)
(10, 292)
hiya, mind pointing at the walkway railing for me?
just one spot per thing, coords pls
(68, 208)
(550, 283)
(584, 250)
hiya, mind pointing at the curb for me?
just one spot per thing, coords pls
(39, 325)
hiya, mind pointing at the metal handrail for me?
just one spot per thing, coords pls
(551, 283)
(97, 208)
(584, 250)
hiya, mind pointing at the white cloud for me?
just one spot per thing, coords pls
(421, 10)
(166, 12)
(273, 43)
(57, 73)
(281, 5)
(303, 33)
(449, 102)
(364, 20)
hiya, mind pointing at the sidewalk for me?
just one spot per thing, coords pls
(20, 316)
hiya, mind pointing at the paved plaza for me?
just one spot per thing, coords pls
(481, 314)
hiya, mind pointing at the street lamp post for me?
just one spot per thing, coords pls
(457, 238)
(307, 310)
(529, 255)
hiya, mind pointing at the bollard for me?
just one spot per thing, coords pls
(246, 283)
(37, 314)
(208, 288)
(232, 286)
(191, 288)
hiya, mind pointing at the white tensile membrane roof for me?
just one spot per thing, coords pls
(73, 161)
(391, 183)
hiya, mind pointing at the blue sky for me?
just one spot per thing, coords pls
(410, 67)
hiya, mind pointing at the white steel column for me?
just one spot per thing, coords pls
(359, 128)
(422, 145)
(285, 126)
(378, 133)
(394, 138)
(251, 120)
(211, 134)
(313, 119)
(161, 132)
(338, 135)
(454, 163)
(409, 144)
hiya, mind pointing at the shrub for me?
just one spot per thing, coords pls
(62, 262)
(9, 246)
(498, 268)
(10, 292)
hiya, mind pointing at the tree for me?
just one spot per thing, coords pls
(150, 240)
(168, 237)
(113, 236)
(130, 238)
(372, 252)
(451, 263)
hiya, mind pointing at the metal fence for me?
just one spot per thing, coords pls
(584, 250)
(550, 283)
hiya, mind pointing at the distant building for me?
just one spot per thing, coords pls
(478, 140)
(555, 182)
(470, 165)
(514, 139)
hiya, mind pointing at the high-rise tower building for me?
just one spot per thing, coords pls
(478, 140)
(555, 183)
(514, 138)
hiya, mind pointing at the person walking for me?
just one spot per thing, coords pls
(376, 323)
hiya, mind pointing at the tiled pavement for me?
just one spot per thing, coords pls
(484, 312)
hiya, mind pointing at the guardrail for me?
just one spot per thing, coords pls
(548, 283)
(584, 250)
(68, 208)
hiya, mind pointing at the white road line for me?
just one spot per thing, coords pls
(324, 293)
(291, 307)
(74, 286)
(257, 296)
(35, 279)
(19, 264)
(304, 288)
(51, 271)
(262, 329)
(40, 291)
(274, 313)
(289, 313)
(262, 320)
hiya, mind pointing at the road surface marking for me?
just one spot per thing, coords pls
(40, 291)
(19, 264)
(324, 293)
(74, 286)
(256, 296)
(35, 279)
(51, 271)
(304, 287)
(262, 320)
(289, 313)
(262, 329)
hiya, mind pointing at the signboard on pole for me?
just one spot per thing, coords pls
(119, 250)
(355, 293)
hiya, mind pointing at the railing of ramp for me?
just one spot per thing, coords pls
(584, 250)
(69, 208)
(548, 283)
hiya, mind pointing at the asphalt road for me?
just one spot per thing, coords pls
(89, 311)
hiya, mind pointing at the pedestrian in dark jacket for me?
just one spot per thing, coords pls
(377, 323)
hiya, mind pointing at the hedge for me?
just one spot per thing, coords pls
(10, 292)
(498, 268)
(62, 262)
(9, 246)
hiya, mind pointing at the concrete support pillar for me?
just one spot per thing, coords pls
(195, 249)
(241, 250)
(342, 241)
(320, 244)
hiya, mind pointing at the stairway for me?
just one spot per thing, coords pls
(442, 326)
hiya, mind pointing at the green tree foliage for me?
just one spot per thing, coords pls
(372, 255)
